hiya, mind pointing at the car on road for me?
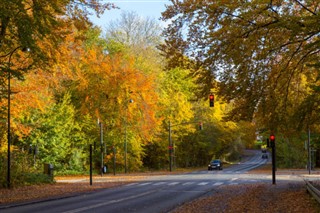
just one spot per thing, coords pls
(264, 156)
(215, 164)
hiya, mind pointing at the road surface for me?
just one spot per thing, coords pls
(153, 194)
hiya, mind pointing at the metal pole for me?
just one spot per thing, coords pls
(170, 148)
(125, 142)
(9, 138)
(90, 164)
(274, 164)
(309, 154)
(114, 160)
(9, 117)
(101, 146)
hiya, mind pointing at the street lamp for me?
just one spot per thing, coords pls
(9, 124)
(125, 142)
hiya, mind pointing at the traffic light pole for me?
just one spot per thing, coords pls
(274, 164)
(273, 147)
(309, 153)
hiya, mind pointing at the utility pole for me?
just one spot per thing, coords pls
(170, 148)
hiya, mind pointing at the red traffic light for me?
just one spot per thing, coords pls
(211, 100)
(272, 140)
(272, 137)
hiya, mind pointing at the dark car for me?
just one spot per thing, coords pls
(215, 164)
(264, 156)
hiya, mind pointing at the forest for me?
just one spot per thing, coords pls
(139, 93)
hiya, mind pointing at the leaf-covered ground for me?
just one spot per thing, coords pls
(280, 198)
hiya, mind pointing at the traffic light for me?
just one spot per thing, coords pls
(200, 126)
(268, 143)
(272, 140)
(211, 100)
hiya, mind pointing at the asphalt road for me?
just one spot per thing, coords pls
(154, 194)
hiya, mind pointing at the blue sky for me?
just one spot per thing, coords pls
(144, 8)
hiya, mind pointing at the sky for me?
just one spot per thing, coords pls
(144, 8)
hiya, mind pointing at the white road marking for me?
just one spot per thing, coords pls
(132, 184)
(144, 184)
(159, 183)
(86, 208)
(188, 183)
(217, 184)
(202, 183)
(173, 183)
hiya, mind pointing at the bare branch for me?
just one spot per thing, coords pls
(304, 7)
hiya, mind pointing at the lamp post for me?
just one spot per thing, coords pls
(9, 138)
(9, 118)
(125, 139)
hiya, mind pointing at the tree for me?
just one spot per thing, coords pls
(31, 31)
(61, 139)
(133, 30)
(258, 50)
(39, 26)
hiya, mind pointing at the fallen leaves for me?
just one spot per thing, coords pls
(45, 191)
(283, 197)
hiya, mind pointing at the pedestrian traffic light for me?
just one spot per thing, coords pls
(211, 100)
(200, 126)
(272, 140)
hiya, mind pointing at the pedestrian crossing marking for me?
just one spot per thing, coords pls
(173, 183)
(144, 184)
(202, 183)
(217, 183)
(159, 183)
(188, 183)
(132, 184)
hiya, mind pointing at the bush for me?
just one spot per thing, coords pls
(22, 170)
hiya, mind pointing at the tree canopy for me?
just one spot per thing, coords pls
(263, 54)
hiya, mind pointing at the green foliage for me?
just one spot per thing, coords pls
(23, 171)
(60, 137)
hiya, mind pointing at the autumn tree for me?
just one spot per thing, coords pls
(30, 33)
(263, 54)
(260, 52)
